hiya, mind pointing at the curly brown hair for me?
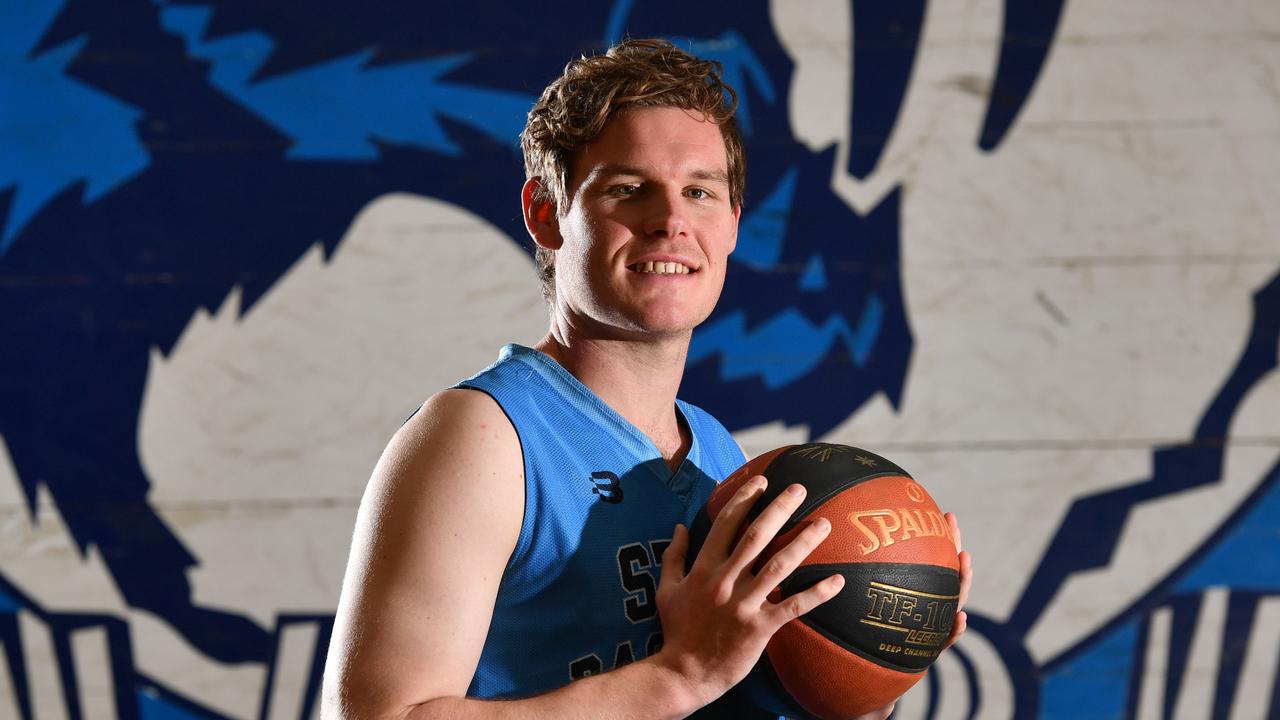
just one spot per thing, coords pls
(632, 74)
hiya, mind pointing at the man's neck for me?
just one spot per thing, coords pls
(637, 379)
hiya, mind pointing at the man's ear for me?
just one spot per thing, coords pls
(540, 217)
(737, 215)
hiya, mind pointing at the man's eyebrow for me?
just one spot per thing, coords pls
(616, 169)
(611, 169)
(719, 176)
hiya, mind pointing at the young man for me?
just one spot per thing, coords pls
(507, 553)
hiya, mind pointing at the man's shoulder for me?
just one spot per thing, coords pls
(459, 419)
(460, 401)
(456, 404)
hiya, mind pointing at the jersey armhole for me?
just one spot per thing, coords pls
(524, 540)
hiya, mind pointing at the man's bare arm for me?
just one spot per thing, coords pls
(437, 523)
(436, 528)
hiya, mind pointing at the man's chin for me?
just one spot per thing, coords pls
(658, 329)
(673, 322)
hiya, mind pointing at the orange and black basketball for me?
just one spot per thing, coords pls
(875, 639)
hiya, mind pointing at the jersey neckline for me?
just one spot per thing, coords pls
(640, 444)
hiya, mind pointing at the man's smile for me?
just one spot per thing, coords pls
(660, 268)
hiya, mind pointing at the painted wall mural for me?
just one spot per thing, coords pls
(1028, 249)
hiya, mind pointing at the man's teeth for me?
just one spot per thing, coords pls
(661, 268)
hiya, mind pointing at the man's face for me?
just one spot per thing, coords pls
(649, 226)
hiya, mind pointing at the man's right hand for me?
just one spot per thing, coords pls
(717, 618)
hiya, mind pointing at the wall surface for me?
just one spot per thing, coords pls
(1028, 249)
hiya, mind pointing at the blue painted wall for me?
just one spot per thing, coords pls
(159, 158)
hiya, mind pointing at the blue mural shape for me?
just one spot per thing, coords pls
(335, 109)
(239, 134)
(1096, 683)
(1090, 532)
(886, 40)
(55, 131)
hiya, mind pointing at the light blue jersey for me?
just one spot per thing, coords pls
(578, 595)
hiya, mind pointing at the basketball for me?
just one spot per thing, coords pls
(868, 645)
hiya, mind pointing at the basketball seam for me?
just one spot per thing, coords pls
(858, 651)
(812, 504)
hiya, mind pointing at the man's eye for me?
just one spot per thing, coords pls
(698, 193)
(625, 190)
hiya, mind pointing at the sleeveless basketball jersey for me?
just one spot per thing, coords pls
(578, 594)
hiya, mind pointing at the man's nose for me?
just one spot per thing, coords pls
(666, 214)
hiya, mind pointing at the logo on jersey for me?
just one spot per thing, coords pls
(607, 486)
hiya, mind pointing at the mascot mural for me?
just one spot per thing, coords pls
(240, 242)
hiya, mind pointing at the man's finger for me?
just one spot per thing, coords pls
(786, 560)
(724, 529)
(955, 530)
(958, 627)
(765, 527)
(673, 558)
(802, 602)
